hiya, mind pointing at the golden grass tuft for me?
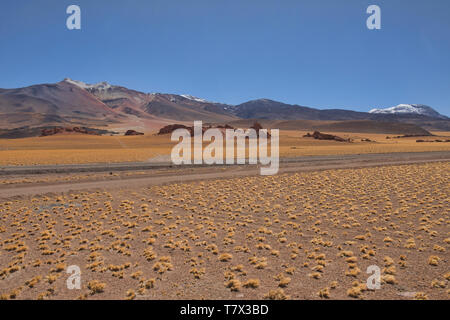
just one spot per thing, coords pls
(96, 286)
(233, 284)
(251, 283)
(277, 294)
(225, 257)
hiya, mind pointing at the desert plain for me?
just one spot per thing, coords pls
(224, 232)
(78, 148)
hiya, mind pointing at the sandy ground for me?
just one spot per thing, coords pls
(32, 180)
(309, 232)
(79, 149)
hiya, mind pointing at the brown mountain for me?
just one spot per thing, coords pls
(58, 103)
(156, 105)
(72, 102)
(75, 103)
(274, 110)
(185, 108)
(269, 109)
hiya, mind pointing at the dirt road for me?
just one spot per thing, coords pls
(163, 173)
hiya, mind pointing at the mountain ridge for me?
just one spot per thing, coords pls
(74, 102)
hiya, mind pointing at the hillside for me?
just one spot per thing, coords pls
(73, 103)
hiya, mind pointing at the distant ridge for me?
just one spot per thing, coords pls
(103, 105)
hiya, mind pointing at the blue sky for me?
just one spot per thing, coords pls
(317, 53)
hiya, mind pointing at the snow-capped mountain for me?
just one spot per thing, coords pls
(138, 104)
(72, 102)
(419, 109)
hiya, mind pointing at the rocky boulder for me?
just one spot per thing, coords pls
(324, 136)
(133, 133)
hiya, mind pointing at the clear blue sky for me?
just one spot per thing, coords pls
(317, 53)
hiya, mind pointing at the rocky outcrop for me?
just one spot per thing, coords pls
(171, 128)
(437, 140)
(133, 133)
(257, 126)
(58, 130)
(324, 136)
(227, 126)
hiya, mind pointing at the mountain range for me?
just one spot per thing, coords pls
(102, 105)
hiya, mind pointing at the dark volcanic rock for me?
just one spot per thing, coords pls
(257, 126)
(56, 130)
(324, 136)
(171, 128)
(133, 133)
(227, 126)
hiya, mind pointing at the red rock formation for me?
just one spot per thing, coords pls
(57, 130)
(324, 136)
(257, 126)
(171, 128)
(133, 133)
(227, 126)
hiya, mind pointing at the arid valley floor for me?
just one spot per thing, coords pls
(309, 232)
(71, 149)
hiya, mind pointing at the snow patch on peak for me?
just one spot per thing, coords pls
(187, 96)
(401, 108)
(80, 84)
(97, 86)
